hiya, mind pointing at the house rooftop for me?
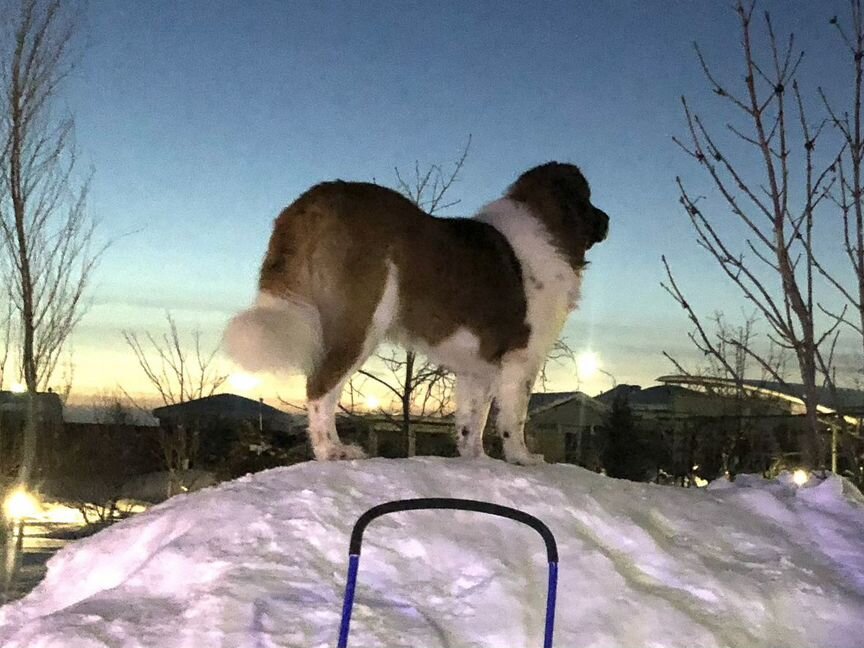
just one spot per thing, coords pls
(542, 401)
(848, 401)
(229, 406)
(658, 396)
(16, 400)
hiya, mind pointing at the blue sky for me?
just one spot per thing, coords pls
(203, 119)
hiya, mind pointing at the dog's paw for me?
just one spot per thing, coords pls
(344, 452)
(526, 459)
(472, 452)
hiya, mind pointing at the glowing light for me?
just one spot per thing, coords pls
(243, 382)
(800, 477)
(587, 364)
(373, 402)
(60, 514)
(20, 504)
(18, 388)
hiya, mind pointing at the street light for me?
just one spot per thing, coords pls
(20, 504)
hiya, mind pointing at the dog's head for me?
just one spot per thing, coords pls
(559, 195)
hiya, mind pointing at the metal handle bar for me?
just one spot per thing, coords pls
(425, 503)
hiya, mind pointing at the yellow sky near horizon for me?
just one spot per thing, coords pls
(104, 365)
(102, 374)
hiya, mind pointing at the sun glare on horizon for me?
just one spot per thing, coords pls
(587, 364)
(373, 402)
(243, 382)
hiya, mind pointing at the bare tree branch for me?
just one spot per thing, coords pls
(849, 190)
(775, 270)
(560, 353)
(44, 226)
(176, 373)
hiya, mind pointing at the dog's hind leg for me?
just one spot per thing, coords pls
(473, 396)
(348, 340)
(513, 394)
(325, 441)
(324, 389)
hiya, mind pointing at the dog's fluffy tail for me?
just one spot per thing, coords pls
(276, 334)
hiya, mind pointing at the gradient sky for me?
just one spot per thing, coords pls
(203, 119)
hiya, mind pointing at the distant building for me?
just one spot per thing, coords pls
(671, 402)
(229, 434)
(790, 396)
(562, 426)
(226, 408)
(839, 410)
(711, 425)
(13, 416)
(13, 407)
(381, 435)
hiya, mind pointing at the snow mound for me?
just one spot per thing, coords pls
(260, 562)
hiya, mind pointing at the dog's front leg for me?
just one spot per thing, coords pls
(473, 396)
(514, 391)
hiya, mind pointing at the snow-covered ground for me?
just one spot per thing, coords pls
(260, 562)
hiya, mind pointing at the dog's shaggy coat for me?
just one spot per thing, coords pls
(351, 264)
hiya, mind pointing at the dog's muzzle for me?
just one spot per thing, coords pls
(601, 225)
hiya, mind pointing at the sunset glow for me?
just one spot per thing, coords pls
(373, 402)
(587, 364)
(243, 382)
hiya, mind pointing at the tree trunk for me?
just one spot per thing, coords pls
(810, 447)
(407, 428)
(19, 209)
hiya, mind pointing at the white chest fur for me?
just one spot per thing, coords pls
(551, 291)
(551, 286)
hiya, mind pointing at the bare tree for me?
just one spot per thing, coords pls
(725, 348)
(5, 339)
(775, 268)
(113, 408)
(847, 196)
(560, 353)
(177, 374)
(355, 395)
(848, 192)
(45, 228)
(417, 386)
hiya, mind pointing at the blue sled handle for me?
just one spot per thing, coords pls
(425, 503)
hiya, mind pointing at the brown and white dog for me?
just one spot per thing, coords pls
(351, 264)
